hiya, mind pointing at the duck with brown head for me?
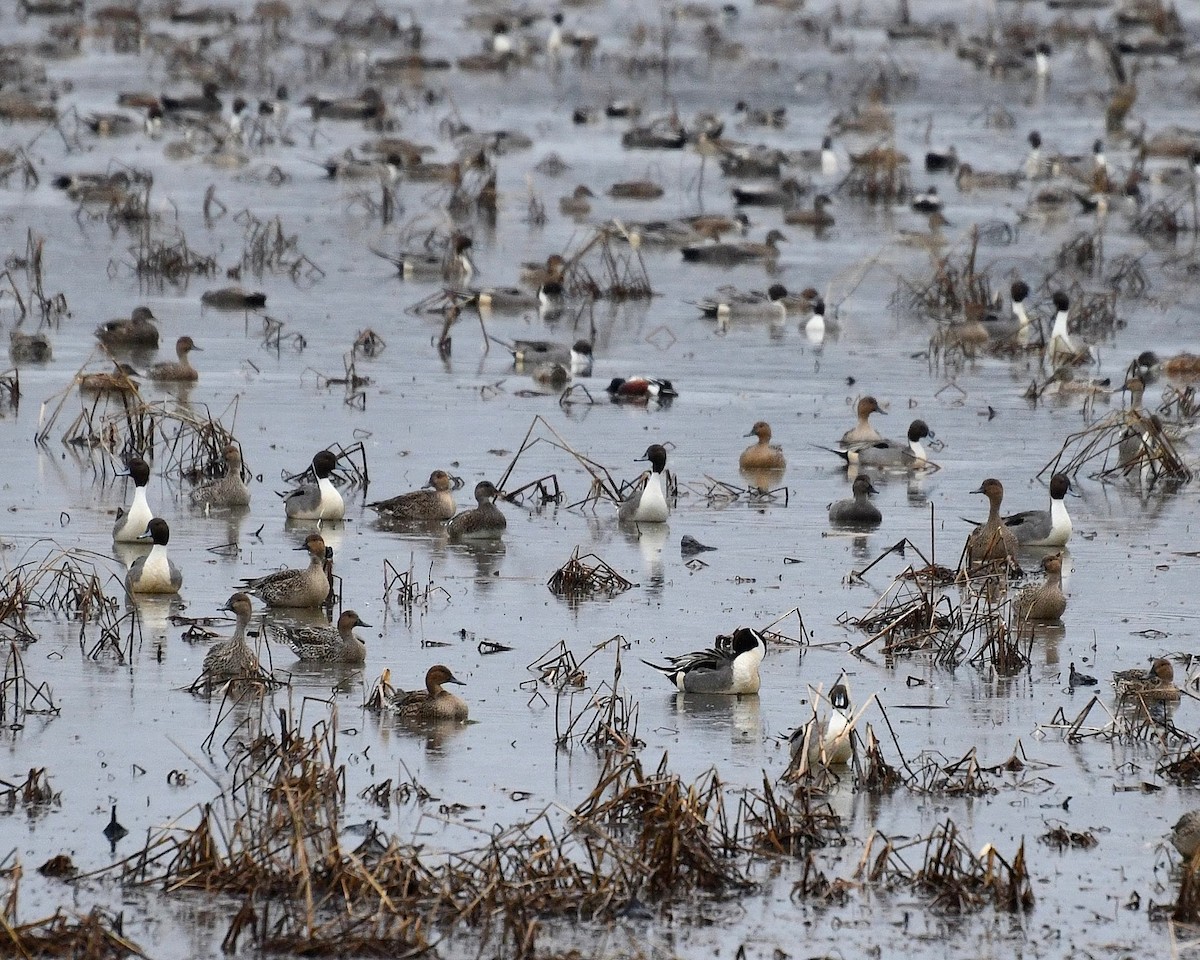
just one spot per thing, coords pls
(991, 540)
(762, 455)
(434, 703)
(179, 371)
(485, 522)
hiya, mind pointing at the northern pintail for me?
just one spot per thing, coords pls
(1185, 835)
(782, 194)
(231, 490)
(729, 668)
(29, 347)
(324, 644)
(968, 178)
(733, 253)
(1132, 442)
(648, 501)
(1036, 166)
(138, 331)
(1059, 347)
(635, 190)
(436, 502)
(641, 390)
(232, 658)
(816, 216)
(858, 510)
(927, 202)
(368, 105)
(941, 159)
(832, 741)
(1045, 528)
(863, 432)
(454, 265)
(761, 117)
(823, 159)
(577, 357)
(577, 203)
(154, 573)
(1155, 684)
(733, 303)
(1024, 325)
(892, 454)
(1077, 679)
(296, 588)
(205, 102)
(103, 189)
(233, 298)
(179, 371)
(1044, 601)
(761, 455)
(432, 703)
(991, 540)
(504, 299)
(320, 500)
(111, 124)
(818, 325)
(485, 522)
(120, 380)
(132, 523)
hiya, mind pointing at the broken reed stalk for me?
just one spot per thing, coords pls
(601, 479)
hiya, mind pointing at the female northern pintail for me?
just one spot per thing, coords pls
(761, 455)
(138, 331)
(729, 668)
(232, 658)
(863, 432)
(485, 522)
(1044, 601)
(325, 644)
(577, 203)
(29, 347)
(120, 380)
(640, 389)
(730, 302)
(1157, 683)
(577, 356)
(1185, 835)
(296, 588)
(233, 298)
(154, 573)
(991, 540)
(816, 216)
(231, 490)
(1132, 442)
(132, 523)
(320, 500)
(831, 743)
(891, 454)
(436, 502)
(733, 253)
(648, 502)
(968, 178)
(432, 703)
(179, 371)
(858, 510)
(1045, 528)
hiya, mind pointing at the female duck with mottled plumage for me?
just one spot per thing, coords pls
(232, 658)
(229, 491)
(155, 572)
(991, 540)
(485, 522)
(434, 702)
(1044, 601)
(320, 500)
(325, 644)
(296, 589)
(434, 503)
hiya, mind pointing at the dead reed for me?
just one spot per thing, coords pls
(587, 577)
(20, 696)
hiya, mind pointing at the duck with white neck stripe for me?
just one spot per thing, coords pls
(648, 503)
(316, 501)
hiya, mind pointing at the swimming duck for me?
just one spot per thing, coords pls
(991, 540)
(858, 510)
(927, 202)
(325, 644)
(119, 381)
(1059, 348)
(863, 432)
(485, 522)
(233, 298)
(29, 347)
(1077, 679)
(733, 253)
(179, 371)
(968, 178)
(232, 658)
(577, 357)
(761, 117)
(890, 454)
(817, 216)
(832, 744)
(432, 703)
(296, 588)
(818, 325)
(785, 193)
(732, 303)
(640, 390)
(453, 266)
(231, 490)
(576, 204)
(132, 523)
(761, 455)
(648, 502)
(138, 331)
(1036, 165)
(635, 190)
(1045, 528)
(1154, 685)
(368, 105)
(729, 668)
(1024, 326)
(1185, 835)
(205, 102)
(320, 500)
(154, 573)
(1043, 601)
(436, 502)
(1133, 442)
(823, 159)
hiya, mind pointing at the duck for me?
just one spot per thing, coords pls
(138, 331)
(320, 500)
(761, 117)
(231, 490)
(730, 303)
(205, 102)
(927, 202)
(1133, 443)
(105, 189)
(641, 390)
(233, 298)
(832, 745)
(1036, 166)
(818, 325)
(635, 190)
(862, 431)
(436, 502)
(892, 454)
(1185, 835)
(368, 105)
(577, 357)
(232, 658)
(1077, 679)
(179, 371)
(296, 589)
(783, 194)
(734, 253)
(577, 203)
(453, 265)
(1043, 601)
(155, 572)
(1045, 528)
(648, 502)
(729, 668)
(485, 522)
(857, 510)
(1059, 347)
(761, 455)
(1155, 684)
(432, 703)
(823, 159)
(968, 178)
(817, 216)
(324, 644)
(120, 380)
(507, 299)
(941, 159)
(29, 347)
(132, 523)
(991, 540)
(1019, 291)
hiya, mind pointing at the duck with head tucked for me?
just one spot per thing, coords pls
(229, 491)
(434, 703)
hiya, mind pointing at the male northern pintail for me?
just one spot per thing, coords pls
(231, 490)
(648, 501)
(1025, 326)
(138, 331)
(729, 668)
(1185, 835)
(368, 105)
(296, 588)
(941, 159)
(761, 455)
(432, 703)
(324, 644)
(1059, 346)
(1036, 166)
(577, 356)
(991, 540)
(29, 347)
(204, 102)
(1045, 528)
(233, 298)
(320, 500)
(485, 522)
(782, 194)
(549, 298)
(892, 454)
(857, 510)
(823, 159)
(863, 432)
(927, 201)
(454, 265)
(641, 389)
(818, 325)
(232, 658)
(180, 370)
(831, 741)
(730, 302)
(815, 216)
(132, 523)
(1155, 684)
(154, 573)
(761, 116)
(733, 253)
(1044, 601)
(436, 502)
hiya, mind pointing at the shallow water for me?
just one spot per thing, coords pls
(124, 728)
